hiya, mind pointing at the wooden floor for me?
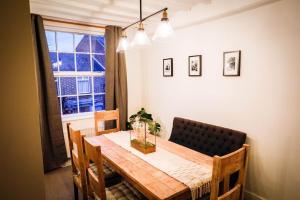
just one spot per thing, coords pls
(59, 184)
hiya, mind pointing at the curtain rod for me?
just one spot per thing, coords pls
(73, 23)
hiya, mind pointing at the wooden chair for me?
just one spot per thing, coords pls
(103, 116)
(96, 181)
(223, 167)
(77, 159)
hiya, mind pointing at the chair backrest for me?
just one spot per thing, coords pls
(206, 138)
(233, 194)
(77, 157)
(96, 183)
(223, 167)
(103, 116)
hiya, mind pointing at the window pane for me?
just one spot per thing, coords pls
(84, 85)
(98, 63)
(65, 42)
(99, 102)
(57, 85)
(86, 103)
(51, 40)
(69, 105)
(83, 62)
(53, 59)
(66, 61)
(98, 44)
(82, 43)
(99, 84)
(68, 86)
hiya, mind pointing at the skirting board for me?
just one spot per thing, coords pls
(251, 196)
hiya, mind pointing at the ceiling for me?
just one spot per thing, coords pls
(124, 12)
(106, 12)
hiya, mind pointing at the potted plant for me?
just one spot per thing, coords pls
(140, 123)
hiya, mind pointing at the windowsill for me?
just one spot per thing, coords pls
(75, 117)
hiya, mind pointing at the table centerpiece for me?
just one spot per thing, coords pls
(140, 125)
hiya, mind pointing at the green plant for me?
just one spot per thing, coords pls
(143, 117)
(154, 128)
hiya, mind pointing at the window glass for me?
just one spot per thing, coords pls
(86, 103)
(56, 79)
(82, 43)
(98, 44)
(65, 42)
(99, 102)
(99, 84)
(78, 65)
(84, 85)
(66, 62)
(83, 62)
(51, 40)
(69, 105)
(68, 86)
(98, 62)
(53, 59)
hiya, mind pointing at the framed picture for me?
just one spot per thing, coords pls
(168, 67)
(195, 65)
(231, 63)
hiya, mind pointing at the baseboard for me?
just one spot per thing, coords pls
(252, 196)
(67, 163)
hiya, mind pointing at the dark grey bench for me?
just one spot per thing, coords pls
(206, 138)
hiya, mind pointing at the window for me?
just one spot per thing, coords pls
(78, 65)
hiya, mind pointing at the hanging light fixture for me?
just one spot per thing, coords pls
(141, 38)
(164, 29)
(123, 43)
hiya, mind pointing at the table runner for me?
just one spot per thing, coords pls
(196, 177)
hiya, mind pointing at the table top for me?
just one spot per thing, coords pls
(152, 182)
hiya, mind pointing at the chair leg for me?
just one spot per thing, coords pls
(75, 192)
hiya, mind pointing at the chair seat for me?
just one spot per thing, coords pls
(122, 191)
(111, 177)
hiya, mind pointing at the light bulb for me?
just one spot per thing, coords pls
(164, 29)
(141, 38)
(123, 43)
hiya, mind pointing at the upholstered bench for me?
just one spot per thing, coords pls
(206, 138)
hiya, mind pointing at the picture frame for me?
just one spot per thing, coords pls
(195, 65)
(232, 63)
(168, 67)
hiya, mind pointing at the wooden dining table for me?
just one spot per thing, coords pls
(150, 181)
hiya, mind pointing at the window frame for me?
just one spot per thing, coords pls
(60, 27)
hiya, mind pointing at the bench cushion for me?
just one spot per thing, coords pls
(205, 138)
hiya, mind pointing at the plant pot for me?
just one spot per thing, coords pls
(142, 147)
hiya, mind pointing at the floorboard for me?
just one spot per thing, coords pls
(59, 184)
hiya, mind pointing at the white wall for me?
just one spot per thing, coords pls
(134, 81)
(264, 101)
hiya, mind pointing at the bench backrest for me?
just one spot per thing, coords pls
(205, 138)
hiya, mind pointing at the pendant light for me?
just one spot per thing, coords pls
(141, 38)
(164, 29)
(123, 43)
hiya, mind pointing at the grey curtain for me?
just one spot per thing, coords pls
(115, 76)
(53, 144)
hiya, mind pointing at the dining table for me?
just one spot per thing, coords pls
(152, 182)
